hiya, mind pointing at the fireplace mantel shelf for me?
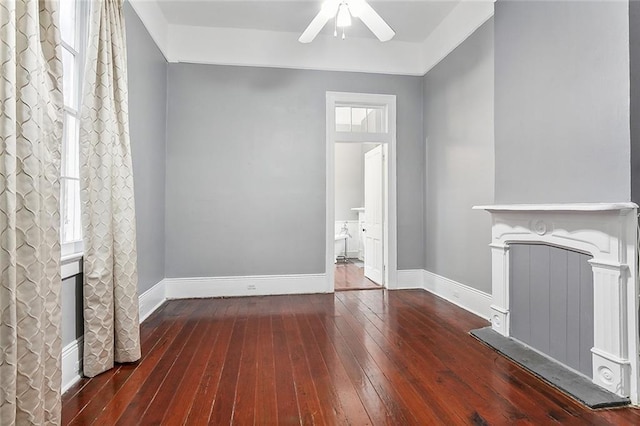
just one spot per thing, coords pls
(569, 207)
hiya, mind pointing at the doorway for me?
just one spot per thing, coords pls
(361, 188)
(359, 193)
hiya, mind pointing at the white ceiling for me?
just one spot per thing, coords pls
(413, 21)
(264, 33)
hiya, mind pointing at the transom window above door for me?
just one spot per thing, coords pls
(361, 119)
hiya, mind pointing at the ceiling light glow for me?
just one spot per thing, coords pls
(343, 19)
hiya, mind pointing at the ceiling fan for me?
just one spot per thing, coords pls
(343, 11)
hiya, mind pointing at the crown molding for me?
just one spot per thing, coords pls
(455, 28)
(230, 46)
(246, 47)
(154, 21)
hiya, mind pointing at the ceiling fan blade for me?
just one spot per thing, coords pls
(376, 24)
(329, 9)
(314, 28)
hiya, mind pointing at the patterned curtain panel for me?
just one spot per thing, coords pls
(111, 324)
(30, 140)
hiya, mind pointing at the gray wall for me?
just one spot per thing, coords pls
(147, 120)
(634, 59)
(246, 168)
(552, 303)
(562, 101)
(458, 127)
(349, 180)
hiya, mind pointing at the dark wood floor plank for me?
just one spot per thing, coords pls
(311, 411)
(222, 410)
(146, 330)
(341, 400)
(372, 389)
(418, 351)
(155, 340)
(265, 398)
(286, 397)
(414, 392)
(148, 389)
(396, 399)
(349, 276)
(202, 405)
(245, 398)
(348, 386)
(131, 386)
(477, 370)
(481, 370)
(360, 357)
(197, 372)
(164, 401)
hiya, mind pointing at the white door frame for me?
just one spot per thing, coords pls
(388, 138)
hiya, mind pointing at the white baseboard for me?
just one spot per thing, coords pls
(471, 299)
(188, 288)
(350, 254)
(409, 279)
(468, 298)
(151, 300)
(71, 363)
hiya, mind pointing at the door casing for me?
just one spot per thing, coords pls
(334, 99)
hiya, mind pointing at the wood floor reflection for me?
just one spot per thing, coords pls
(350, 276)
(357, 357)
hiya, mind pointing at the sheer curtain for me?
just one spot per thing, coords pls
(30, 139)
(111, 323)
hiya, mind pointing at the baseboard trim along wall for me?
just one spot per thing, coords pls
(71, 363)
(151, 300)
(189, 288)
(410, 279)
(468, 298)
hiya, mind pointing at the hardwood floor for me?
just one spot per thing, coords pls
(357, 357)
(349, 276)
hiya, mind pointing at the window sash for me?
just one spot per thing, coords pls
(74, 53)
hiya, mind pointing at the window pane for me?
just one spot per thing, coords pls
(375, 122)
(343, 119)
(71, 224)
(68, 21)
(358, 120)
(69, 78)
(71, 167)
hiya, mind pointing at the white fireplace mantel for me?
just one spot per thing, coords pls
(571, 207)
(606, 231)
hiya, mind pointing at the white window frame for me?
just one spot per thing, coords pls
(72, 251)
(335, 99)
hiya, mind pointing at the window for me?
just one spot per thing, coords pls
(73, 34)
(360, 119)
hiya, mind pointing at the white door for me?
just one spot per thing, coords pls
(373, 215)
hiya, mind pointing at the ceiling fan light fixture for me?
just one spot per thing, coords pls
(343, 19)
(342, 11)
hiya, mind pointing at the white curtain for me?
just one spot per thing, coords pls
(111, 324)
(30, 139)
